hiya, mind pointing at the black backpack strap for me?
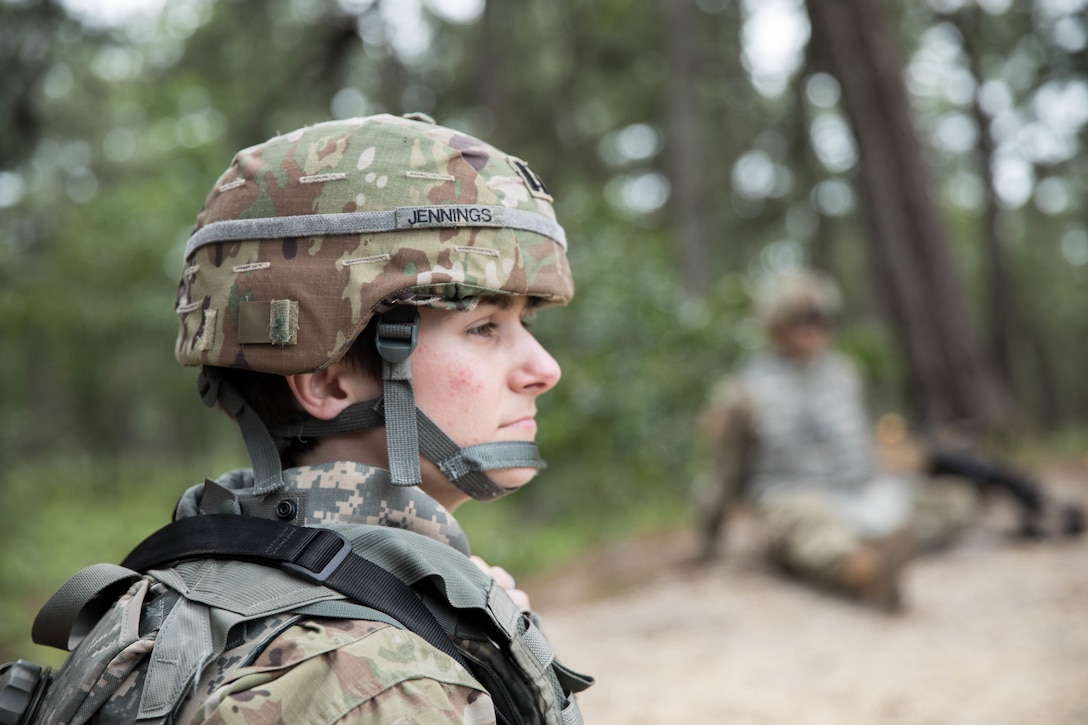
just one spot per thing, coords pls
(321, 556)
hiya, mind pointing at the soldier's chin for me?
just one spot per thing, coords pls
(512, 477)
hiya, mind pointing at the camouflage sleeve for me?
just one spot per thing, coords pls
(350, 673)
(724, 439)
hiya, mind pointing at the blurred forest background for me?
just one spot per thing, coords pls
(927, 153)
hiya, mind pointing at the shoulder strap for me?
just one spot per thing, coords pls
(318, 555)
(78, 605)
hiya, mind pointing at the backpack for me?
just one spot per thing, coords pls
(156, 624)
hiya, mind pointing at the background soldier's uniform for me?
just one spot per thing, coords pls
(792, 437)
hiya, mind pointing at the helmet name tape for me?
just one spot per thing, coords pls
(452, 215)
(372, 222)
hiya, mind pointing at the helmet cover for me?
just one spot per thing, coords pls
(797, 291)
(305, 236)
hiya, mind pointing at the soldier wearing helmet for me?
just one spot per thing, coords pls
(356, 294)
(790, 433)
(807, 464)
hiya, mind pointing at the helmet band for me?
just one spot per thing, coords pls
(403, 218)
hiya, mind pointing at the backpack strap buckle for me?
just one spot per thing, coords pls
(319, 556)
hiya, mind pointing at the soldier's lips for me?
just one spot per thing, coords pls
(526, 425)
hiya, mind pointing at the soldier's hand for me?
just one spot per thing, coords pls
(506, 581)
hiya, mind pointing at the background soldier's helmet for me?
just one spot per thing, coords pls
(306, 234)
(797, 292)
(310, 235)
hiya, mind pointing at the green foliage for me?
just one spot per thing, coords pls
(871, 350)
(63, 515)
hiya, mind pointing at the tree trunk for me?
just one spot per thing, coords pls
(685, 149)
(489, 66)
(911, 259)
(1000, 294)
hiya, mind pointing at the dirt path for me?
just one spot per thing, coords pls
(996, 634)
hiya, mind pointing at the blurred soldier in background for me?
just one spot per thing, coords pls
(790, 434)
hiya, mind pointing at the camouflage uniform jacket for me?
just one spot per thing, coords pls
(811, 428)
(788, 427)
(288, 667)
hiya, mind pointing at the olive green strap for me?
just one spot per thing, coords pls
(398, 332)
(77, 606)
(261, 446)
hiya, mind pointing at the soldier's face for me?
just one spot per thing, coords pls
(477, 375)
(803, 337)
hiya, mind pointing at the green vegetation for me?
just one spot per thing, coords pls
(63, 515)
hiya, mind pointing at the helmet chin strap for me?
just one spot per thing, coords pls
(409, 432)
(264, 453)
(398, 334)
(465, 467)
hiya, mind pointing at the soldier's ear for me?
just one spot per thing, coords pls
(326, 393)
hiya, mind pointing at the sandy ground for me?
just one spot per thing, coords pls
(995, 633)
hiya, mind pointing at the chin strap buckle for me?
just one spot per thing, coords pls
(398, 333)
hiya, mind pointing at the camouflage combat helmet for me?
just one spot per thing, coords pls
(308, 236)
(797, 291)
